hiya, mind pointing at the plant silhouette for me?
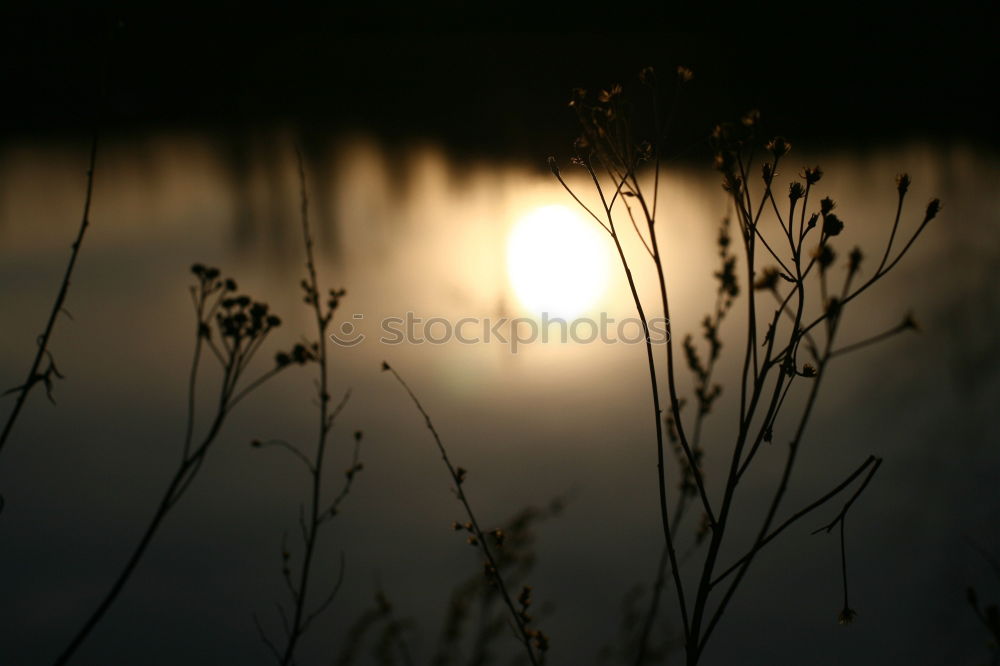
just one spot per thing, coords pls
(231, 328)
(320, 510)
(789, 256)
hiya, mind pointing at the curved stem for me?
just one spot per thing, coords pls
(43, 340)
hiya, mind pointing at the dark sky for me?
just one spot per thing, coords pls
(494, 84)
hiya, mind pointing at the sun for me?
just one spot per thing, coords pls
(557, 263)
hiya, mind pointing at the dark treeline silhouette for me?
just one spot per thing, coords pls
(496, 90)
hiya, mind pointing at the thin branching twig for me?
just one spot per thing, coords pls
(301, 616)
(35, 373)
(535, 642)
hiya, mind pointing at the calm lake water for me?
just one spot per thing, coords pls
(413, 231)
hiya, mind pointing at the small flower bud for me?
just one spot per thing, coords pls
(854, 260)
(933, 208)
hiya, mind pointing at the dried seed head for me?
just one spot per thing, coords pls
(832, 225)
(768, 279)
(825, 256)
(779, 146)
(767, 171)
(732, 184)
(846, 616)
(606, 96)
(795, 191)
(902, 183)
(812, 175)
(300, 354)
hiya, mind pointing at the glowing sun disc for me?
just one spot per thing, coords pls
(556, 262)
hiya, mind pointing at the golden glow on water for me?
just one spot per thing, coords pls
(557, 262)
